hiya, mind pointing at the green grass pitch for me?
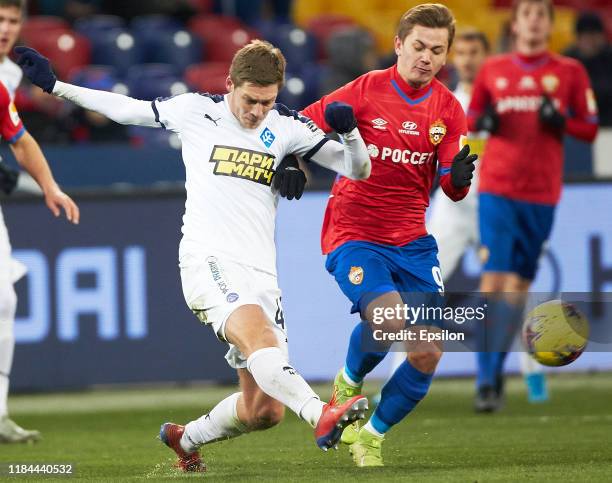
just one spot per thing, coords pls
(111, 435)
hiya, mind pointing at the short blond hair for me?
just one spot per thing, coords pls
(431, 15)
(259, 63)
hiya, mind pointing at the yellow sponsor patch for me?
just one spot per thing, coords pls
(477, 143)
(243, 163)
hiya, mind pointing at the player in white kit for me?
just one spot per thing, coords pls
(234, 147)
(30, 157)
(455, 225)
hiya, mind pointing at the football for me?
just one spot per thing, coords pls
(555, 333)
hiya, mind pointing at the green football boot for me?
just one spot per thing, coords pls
(343, 391)
(366, 450)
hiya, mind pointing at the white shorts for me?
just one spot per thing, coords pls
(454, 225)
(214, 287)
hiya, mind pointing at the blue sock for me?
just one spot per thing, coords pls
(399, 396)
(485, 373)
(498, 362)
(494, 339)
(359, 362)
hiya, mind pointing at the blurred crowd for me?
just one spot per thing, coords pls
(166, 47)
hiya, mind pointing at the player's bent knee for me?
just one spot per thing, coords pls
(267, 416)
(425, 361)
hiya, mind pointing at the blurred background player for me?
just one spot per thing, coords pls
(230, 205)
(30, 157)
(455, 224)
(593, 50)
(527, 100)
(374, 231)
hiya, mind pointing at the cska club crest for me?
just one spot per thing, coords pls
(550, 83)
(437, 131)
(356, 275)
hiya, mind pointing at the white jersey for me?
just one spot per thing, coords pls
(454, 225)
(10, 75)
(230, 209)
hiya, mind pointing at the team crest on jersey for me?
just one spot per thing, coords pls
(550, 83)
(243, 163)
(356, 275)
(437, 131)
(267, 137)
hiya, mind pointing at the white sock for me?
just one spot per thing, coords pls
(4, 385)
(279, 380)
(370, 429)
(220, 423)
(311, 412)
(348, 379)
(7, 345)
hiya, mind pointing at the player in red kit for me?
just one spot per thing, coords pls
(527, 100)
(374, 231)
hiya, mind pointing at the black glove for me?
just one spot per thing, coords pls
(462, 170)
(340, 117)
(549, 114)
(289, 180)
(8, 178)
(488, 121)
(36, 67)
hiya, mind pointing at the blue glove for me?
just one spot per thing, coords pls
(36, 67)
(340, 117)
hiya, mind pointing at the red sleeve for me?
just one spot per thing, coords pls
(349, 94)
(11, 127)
(456, 132)
(583, 109)
(481, 98)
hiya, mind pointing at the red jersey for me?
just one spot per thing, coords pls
(409, 133)
(523, 160)
(11, 127)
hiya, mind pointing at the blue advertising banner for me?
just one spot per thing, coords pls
(102, 301)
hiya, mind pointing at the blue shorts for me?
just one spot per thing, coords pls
(365, 270)
(512, 234)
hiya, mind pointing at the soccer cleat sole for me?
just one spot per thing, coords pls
(354, 413)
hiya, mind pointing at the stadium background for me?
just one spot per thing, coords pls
(102, 302)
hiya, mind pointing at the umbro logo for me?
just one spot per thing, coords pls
(379, 123)
(207, 116)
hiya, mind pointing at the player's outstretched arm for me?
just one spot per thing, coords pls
(119, 108)
(29, 155)
(349, 158)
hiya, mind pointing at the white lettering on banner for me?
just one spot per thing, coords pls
(72, 301)
(35, 326)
